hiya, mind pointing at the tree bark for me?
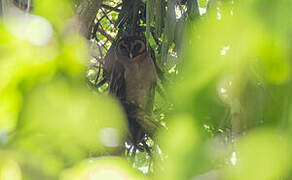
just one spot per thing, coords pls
(0, 7)
(86, 11)
(4, 6)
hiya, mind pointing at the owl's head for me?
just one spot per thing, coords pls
(131, 46)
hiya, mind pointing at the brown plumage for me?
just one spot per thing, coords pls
(140, 72)
(132, 74)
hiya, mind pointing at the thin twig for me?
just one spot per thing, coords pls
(102, 82)
(105, 43)
(97, 76)
(111, 8)
(99, 60)
(96, 28)
(100, 51)
(105, 14)
(102, 31)
(157, 41)
(94, 66)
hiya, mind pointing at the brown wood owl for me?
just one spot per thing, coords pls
(140, 73)
(133, 79)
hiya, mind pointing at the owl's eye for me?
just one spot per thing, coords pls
(124, 50)
(137, 47)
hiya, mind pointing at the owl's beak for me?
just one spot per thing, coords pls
(131, 55)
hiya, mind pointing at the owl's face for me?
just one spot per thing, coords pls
(131, 47)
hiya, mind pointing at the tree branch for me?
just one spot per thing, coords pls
(87, 10)
(111, 8)
(102, 31)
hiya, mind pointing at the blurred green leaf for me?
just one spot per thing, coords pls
(261, 155)
(64, 122)
(9, 168)
(103, 169)
(182, 145)
(57, 12)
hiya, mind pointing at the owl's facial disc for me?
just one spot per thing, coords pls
(136, 48)
(124, 49)
(131, 48)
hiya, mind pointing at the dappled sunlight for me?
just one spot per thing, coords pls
(35, 29)
(224, 50)
(225, 89)
(184, 133)
(106, 168)
(261, 155)
(233, 159)
(110, 137)
(9, 169)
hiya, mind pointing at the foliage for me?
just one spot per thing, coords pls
(227, 106)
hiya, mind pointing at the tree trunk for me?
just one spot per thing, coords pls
(4, 6)
(0, 7)
(86, 11)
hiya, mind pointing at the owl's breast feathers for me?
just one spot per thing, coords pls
(140, 77)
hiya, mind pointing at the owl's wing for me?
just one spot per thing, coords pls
(117, 84)
(113, 73)
(108, 63)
